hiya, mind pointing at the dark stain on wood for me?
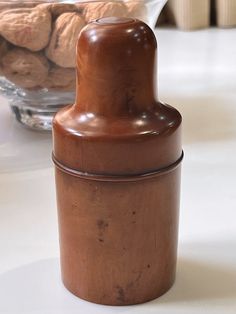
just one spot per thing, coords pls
(120, 294)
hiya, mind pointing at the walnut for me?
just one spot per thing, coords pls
(27, 27)
(3, 51)
(24, 68)
(60, 79)
(96, 10)
(18, 4)
(136, 9)
(62, 47)
(57, 9)
(3, 47)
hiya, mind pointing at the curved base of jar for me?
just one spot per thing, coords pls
(38, 116)
(35, 109)
(135, 301)
(33, 119)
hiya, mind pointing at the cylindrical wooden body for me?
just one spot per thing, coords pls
(117, 152)
(118, 239)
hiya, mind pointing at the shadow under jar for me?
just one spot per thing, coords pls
(38, 47)
(117, 152)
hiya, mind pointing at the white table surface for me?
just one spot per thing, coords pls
(197, 74)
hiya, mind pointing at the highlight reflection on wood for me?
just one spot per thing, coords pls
(117, 152)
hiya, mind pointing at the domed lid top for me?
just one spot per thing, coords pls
(116, 67)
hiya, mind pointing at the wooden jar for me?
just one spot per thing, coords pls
(117, 152)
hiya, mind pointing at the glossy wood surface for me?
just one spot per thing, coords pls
(118, 240)
(118, 233)
(116, 125)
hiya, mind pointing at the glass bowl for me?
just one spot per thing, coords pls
(37, 50)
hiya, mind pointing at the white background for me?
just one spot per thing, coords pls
(197, 74)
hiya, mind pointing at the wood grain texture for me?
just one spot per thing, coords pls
(118, 239)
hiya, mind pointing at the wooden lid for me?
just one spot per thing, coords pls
(116, 126)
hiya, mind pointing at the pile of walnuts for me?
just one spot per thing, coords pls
(38, 39)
